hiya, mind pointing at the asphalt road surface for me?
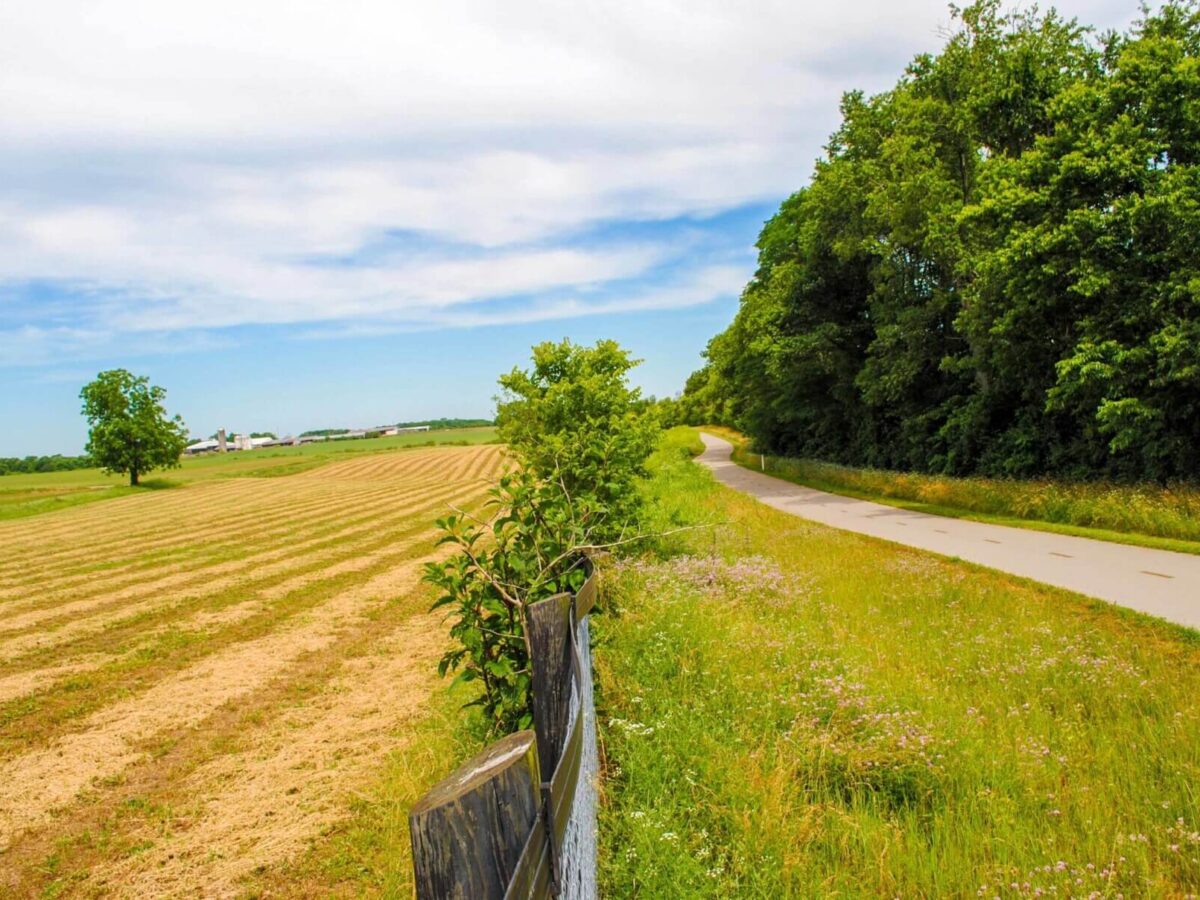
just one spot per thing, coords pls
(1157, 582)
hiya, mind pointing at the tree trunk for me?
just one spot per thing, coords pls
(133, 477)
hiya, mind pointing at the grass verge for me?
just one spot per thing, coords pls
(1143, 516)
(791, 710)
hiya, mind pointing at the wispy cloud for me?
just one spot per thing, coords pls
(703, 285)
(173, 171)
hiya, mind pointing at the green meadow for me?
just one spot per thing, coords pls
(791, 710)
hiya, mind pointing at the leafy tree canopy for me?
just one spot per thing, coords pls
(993, 269)
(129, 429)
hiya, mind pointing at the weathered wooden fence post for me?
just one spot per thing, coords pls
(518, 822)
(549, 628)
(468, 833)
(579, 880)
(565, 719)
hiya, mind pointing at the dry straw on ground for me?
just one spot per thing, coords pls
(194, 683)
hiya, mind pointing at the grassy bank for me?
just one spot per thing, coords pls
(31, 494)
(1146, 515)
(790, 710)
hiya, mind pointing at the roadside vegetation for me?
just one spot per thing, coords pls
(31, 494)
(580, 434)
(1145, 515)
(792, 710)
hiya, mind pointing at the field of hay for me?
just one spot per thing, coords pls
(33, 494)
(197, 684)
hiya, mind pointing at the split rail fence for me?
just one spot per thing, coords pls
(518, 821)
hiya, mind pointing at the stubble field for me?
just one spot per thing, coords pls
(197, 684)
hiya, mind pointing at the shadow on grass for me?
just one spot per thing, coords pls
(159, 484)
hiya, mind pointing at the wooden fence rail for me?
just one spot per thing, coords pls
(518, 821)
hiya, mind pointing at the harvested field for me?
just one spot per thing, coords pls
(195, 684)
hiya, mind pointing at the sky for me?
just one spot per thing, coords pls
(298, 215)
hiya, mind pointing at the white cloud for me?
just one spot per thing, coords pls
(702, 286)
(182, 166)
(144, 68)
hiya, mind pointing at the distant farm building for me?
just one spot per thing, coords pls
(240, 442)
(245, 442)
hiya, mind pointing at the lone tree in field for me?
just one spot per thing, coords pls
(130, 430)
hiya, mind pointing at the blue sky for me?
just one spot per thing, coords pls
(308, 215)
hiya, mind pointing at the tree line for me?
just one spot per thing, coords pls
(16, 465)
(995, 267)
(436, 424)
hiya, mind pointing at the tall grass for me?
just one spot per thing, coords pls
(1171, 512)
(790, 710)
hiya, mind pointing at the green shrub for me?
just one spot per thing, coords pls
(575, 418)
(530, 548)
(581, 435)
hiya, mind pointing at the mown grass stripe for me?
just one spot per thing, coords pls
(192, 523)
(317, 502)
(365, 506)
(160, 781)
(33, 721)
(184, 506)
(311, 562)
(44, 776)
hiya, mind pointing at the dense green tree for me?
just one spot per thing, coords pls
(993, 268)
(129, 429)
(1084, 298)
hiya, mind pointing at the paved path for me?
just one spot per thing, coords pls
(1157, 582)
